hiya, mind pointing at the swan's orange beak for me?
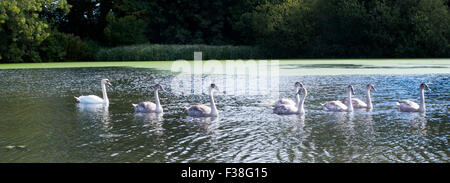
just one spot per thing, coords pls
(109, 83)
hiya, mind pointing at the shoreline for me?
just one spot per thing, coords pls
(287, 67)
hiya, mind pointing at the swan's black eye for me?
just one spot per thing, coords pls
(213, 86)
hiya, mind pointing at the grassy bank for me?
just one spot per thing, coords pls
(156, 52)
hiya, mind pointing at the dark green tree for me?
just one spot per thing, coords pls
(125, 30)
(22, 29)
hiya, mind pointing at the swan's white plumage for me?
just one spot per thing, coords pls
(357, 103)
(199, 110)
(339, 106)
(150, 107)
(285, 109)
(408, 106)
(145, 107)
(292, 107)
(336, 105)
(90, 99)
(284, 101)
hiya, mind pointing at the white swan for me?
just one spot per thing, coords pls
(337, 105)
(92, 99)
(150, 107)
(293, 109)
(203, 110)
(410, 106)
(285, 101)
(359, 104)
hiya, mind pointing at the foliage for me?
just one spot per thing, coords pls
(22, 30)
(124, 31)
(156, 52)
(37, 30)
(87, 18)
(353, 28)
(67, 47)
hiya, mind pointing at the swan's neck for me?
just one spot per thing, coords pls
(301, 109)
(350, 103)
(212, 104)
(297, 96)
(368, 99)
(105, 96)
(158, 104)
(422, 101)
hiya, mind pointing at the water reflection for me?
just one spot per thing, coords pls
(298, 123)
(92, 108)
(416, 121)
(98, 112)
(366, 121)
(152, 121)
(97, 116)
(209, 124)
(336, 117)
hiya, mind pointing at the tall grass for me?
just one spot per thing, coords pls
(157, 52)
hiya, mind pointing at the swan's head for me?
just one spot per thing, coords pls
(213, 87)
(350, 88)
(371, 87)
(106, 81)
(424, 86)
(159, 87)
(300, 85)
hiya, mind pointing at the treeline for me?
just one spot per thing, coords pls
(75, 30)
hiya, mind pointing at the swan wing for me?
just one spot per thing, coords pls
(145, 107)
(334, 106)
(285, 109)
(407, 106)
(284, 101)
(199, 110)
(90, 99)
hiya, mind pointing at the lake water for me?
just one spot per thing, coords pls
(41, 121)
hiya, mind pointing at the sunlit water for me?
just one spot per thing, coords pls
(41, 122)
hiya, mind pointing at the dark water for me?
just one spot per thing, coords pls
(41, 122)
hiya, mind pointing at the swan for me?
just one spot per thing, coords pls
(92, 99)
(203, 110)
(150, 107)
(293, 109)
(285, 101)
(337, 105)
(359, 104)
(410, 106)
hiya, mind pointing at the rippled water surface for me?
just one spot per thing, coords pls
(41, 122)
